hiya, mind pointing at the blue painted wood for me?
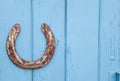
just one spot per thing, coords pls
(86, 32)
(82, 40)
(12, 12)
(52, 13)
(117, 76)
(109, 39)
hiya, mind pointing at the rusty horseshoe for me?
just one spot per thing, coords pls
(44, 60)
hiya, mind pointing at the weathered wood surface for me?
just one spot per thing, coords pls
(86, 33)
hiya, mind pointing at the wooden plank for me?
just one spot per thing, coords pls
(82, 40)
(109, 39)
(52, 13)
(12, 12)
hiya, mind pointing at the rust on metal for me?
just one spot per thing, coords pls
(44, 60)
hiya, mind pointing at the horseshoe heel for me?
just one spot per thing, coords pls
(44, 60)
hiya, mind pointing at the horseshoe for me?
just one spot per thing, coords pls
(16, 59)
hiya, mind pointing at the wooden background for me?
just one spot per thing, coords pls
(86, 32)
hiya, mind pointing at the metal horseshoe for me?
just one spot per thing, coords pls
(16, 59)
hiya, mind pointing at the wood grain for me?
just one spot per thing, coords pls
(12, 12)
(109, 39)
(82, 40)
(52, 13)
